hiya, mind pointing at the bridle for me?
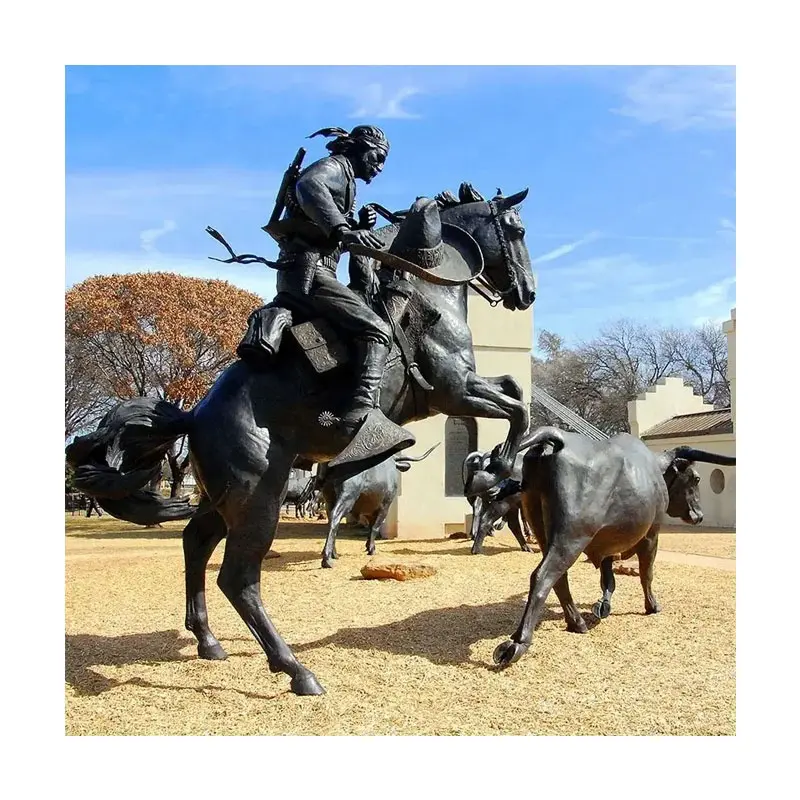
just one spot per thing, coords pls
(495, 295)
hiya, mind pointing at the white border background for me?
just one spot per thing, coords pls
(46, 38)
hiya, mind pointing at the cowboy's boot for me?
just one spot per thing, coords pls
(372, 357)
(374, 436)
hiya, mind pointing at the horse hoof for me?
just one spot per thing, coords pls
(507, 653)
(305, 684)
(601, 609)
(653, 609)
(326, 563)
(211, 652)
(577, 627)
(370, 551)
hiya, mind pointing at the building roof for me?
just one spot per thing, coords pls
(703, 423)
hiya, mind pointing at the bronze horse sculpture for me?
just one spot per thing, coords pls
(253, 426)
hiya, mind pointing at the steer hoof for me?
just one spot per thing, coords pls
(601, 609)
(507, 653)
(306, 684)
(211, 652)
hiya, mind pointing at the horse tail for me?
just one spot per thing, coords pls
(115, 462)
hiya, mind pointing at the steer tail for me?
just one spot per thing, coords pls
(690, 454)
(542, 442)
(124, 454)
(417, 458)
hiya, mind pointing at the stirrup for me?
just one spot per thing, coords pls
(376, 439)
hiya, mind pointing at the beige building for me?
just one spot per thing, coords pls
(431, 503)
(669, 414)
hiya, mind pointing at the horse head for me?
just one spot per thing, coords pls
(497, 228)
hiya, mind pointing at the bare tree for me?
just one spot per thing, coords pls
(597, 378)
(84, 399)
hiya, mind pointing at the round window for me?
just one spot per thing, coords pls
(717, 481)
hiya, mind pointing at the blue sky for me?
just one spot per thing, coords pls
(631, 211)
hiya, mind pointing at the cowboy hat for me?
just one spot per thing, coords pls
(432, 250)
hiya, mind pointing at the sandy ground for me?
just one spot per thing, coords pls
(721, 545)
(402, 658)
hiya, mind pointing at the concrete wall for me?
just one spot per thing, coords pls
(668, 398)
(502, 342)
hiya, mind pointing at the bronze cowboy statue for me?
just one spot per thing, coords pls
(314, 224)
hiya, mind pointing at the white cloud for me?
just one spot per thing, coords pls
(148, 237)
(565, 249)
(727, 226)
(682, 97)
(381, 103)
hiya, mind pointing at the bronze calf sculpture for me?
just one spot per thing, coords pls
(599, 498)
(368, 494)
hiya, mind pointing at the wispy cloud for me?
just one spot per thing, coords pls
(566, 249)
(147, 238)
(679, 98)
(382, 103)
(726, 226)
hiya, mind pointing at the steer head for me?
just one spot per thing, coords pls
(683, 480)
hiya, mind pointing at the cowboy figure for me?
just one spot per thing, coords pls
(319, 225)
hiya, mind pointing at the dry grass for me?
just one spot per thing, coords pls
(396, 657)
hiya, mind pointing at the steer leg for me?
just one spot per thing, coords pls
(512, 518)
(573, 617)
(563, 548)
(375, 527)
(342, 505)
(602, 608)
(646, 551)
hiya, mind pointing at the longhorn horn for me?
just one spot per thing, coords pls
(690, 454)
(417, 458)
(505, 203)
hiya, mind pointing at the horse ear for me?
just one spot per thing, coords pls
(506, 203)
(468, 194)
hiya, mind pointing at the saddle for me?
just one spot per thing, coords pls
(317, 341)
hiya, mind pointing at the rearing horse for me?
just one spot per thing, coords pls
(247, 432)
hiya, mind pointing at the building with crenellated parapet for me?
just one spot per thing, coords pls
(670, 414)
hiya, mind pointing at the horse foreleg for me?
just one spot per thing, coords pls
(494, 398)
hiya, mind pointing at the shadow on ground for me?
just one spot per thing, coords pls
(84, 651)
(443, 635)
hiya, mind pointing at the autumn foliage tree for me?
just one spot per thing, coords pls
(156, 334)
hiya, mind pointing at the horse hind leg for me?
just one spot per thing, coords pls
(254, 521)
(200, 538)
